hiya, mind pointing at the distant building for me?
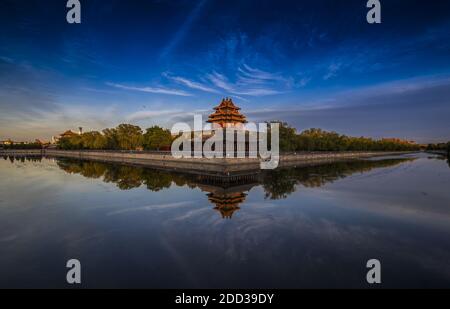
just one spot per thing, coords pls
(44, 144)
(66, 134)
(8, 142)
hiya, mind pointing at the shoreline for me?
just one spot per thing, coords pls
(222, 167)
(437, 152)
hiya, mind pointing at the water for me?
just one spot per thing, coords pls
(306, 227)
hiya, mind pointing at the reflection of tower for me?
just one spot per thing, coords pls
(227, 199)
(227, 203)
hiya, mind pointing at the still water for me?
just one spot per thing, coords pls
(305, 227)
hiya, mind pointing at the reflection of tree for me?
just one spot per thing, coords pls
(157, 180)
(126, 177)
(34, 159)
(22, 158)
(227, 197)
(84, 168)
(281, 183)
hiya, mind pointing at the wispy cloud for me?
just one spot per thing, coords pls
(413, 109)
(192, 84)
(303, 82)
(332, 71)
(254, 75)
(221, 81)
(156, 90)
(258, 92)
(165, 117)
(144, 115)
(240, 98)
(248, 81)
(6, 59)
(150, 208)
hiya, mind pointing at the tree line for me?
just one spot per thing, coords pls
(320, 140)
(131, 137)
(439, 147)
(123, 137)
(278, 184)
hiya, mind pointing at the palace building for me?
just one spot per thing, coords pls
(66, 134)
(238, 136)
(227, 115)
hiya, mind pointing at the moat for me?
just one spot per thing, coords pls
(314, 226)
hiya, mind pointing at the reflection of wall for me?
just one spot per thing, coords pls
(222, 167)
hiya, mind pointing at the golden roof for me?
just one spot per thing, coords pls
(226, 113)
(68, 133)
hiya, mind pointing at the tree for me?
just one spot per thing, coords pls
(288, 136)
(156, 138)
(94, 140)
(320, 140)
(129, 137)
(111, 139)
(71, 143)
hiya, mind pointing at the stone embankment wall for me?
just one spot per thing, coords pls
(221, 166)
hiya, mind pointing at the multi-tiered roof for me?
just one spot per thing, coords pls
(227, 114)
(227, 203)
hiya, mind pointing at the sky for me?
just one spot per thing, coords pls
(312, 64)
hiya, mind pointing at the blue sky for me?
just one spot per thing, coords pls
(310, 63)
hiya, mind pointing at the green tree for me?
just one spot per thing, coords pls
(111, 139)
(71, 143)
(129, 137)
(94, 140)
(288, 137)
(156, 138)
(320, 140)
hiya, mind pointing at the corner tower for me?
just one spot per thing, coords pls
(227, 115)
